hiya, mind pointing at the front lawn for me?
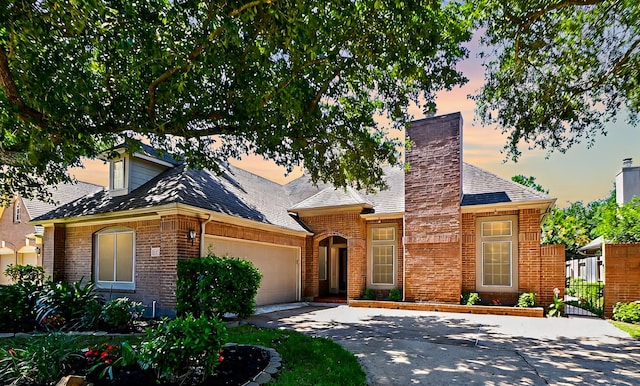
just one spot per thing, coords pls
(305, 360)
(630, 328)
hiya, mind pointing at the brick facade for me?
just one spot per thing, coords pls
(433, 190)
(621, 275)
(540, 268)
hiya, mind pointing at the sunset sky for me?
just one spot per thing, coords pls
(581, 174)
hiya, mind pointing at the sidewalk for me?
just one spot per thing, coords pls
(398, 347)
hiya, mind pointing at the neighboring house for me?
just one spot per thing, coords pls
(21, 243)
(442, 228)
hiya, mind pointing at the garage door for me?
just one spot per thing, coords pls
(277, 264)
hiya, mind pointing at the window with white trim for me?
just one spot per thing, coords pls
(115, 258)
(383, 255)
(497, 255)
(118, 175)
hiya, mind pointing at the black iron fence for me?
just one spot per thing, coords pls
(584, 298)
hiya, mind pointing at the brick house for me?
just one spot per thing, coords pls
(442, 228)
(20, 242)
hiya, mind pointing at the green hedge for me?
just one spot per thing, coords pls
(627, 312)
(213, 286)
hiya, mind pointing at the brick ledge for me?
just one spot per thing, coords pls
(534, 312)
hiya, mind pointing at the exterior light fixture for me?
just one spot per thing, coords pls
(191, 235)
(38, 250)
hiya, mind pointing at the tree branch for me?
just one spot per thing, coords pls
(532, 17)
(25, 112)
(193, 55)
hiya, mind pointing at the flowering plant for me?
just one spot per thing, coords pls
(556, 308)
(496, 302)
(106, 359)
(53, 322)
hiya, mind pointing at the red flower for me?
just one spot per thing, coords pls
(12, 352)
(108, 361)
(220, 358)
(104, 354)
(109, 348)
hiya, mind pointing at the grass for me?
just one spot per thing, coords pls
(630, 328)
(305, 360)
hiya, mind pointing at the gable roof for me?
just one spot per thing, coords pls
(236, 192)
(245, 195)
(61, 194)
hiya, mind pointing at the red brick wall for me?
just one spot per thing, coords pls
(540, 268)
(15, 233)
(552, 273)
(621, 275)
(352, 227)
(432, 210)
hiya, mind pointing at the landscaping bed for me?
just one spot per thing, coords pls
(537, 312)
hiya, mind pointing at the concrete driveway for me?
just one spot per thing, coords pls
(397, 347)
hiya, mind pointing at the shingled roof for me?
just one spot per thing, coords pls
(245, 195)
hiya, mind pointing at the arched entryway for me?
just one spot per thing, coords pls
(333, 268)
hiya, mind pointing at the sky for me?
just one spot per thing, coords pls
(581, 174)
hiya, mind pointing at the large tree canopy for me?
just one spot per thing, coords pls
(296, 81)
(558, 70)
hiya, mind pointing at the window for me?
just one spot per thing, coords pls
(497, 254)
(16, 211)
(118, 175)
(322, 263)
(382, 256)
(114, 266)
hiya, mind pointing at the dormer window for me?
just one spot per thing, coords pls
(118, 175)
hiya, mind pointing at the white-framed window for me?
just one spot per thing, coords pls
(118, 175)
(322, 263)
(115, 258)
(497, 254)
(17, 209)
(382, 255)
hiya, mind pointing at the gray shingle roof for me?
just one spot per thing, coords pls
(482, 187)
(332, 197)
(62, 194)
(245, 195)
(236, 193)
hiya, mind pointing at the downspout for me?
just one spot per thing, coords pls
(203, 227)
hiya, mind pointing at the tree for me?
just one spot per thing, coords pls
(529, 182)
(558, 70)
(299, 82)
(620, 224)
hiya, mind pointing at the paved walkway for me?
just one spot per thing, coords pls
(397, 347)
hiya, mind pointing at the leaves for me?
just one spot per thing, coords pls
(558, 71)
(295, 81)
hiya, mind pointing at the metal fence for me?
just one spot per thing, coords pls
(584, 298)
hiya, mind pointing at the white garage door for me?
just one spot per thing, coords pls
(277, 264)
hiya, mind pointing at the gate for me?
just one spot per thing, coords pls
(584, 298)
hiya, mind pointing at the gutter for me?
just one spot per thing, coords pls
(203, 228)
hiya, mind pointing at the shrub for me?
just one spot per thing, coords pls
(471, 298)
(119, 314)
(16, 311)
(183, 349)
(395, 295)
(74, 303)
(18, 301)
(40, 362)
(627, 312)
(214, 286)
(526, 300)
(369, 294)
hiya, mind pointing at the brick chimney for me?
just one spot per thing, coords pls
(433, 189)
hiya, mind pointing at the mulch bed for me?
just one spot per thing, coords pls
(239, 366)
